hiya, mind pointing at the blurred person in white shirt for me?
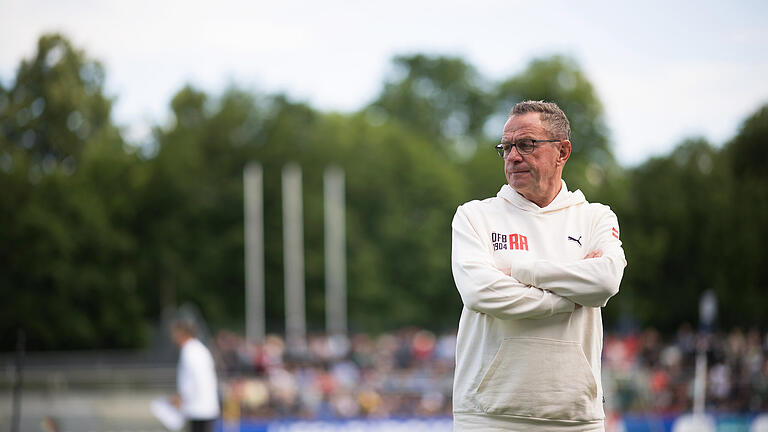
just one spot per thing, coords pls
(196, 383)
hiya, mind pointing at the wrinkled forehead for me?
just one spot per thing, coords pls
(528, 125)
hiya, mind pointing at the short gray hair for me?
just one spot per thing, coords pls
(551, 114)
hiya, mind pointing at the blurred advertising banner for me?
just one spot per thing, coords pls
(631, 423)
(382, 425)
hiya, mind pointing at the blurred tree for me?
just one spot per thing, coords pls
(692, 221)
(747, 160)
(401, 195)
(69, 189)
(672, 231)
(191, 209)
(56, 102)
(743, 291)
(442, 98)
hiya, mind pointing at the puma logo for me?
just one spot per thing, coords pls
(577, 241)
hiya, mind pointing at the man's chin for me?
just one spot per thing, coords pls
(519, 182)
(519, 176)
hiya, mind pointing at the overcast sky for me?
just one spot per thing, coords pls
(664, 70)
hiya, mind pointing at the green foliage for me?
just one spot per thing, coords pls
(97, 241)
(400, 202)
(56, 102)
(440, 97)
(746, 213)
(671, 230)
(67, 245)
(693, 222)
(746, 150)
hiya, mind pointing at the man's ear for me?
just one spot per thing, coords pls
(565, 152)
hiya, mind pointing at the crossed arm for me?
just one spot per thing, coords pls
(588, 282)
(486, 289)
(535, 289)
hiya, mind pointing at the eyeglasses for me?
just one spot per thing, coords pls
(524, 146)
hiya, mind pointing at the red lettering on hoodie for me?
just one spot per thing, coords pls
(518, 242)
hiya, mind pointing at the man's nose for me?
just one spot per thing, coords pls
(514, 155)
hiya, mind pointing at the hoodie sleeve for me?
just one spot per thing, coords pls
(486, 289)
(588, 282)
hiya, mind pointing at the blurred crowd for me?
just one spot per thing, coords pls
(406, 373)
(409, 373)
(646, 373)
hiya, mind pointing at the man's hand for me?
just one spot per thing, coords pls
(594, 254)
(176, 401)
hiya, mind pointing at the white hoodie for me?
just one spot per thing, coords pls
(527, 357)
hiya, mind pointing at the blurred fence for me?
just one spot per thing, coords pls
(86, 391)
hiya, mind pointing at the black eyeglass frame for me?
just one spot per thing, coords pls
(500, 147)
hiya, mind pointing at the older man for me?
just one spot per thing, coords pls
(533, 266)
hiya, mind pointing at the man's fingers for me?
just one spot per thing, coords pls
(594, 254)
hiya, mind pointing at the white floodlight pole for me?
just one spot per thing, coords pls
(335, 252)
(293, 256)
(253, 190)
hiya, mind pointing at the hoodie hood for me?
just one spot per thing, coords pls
(564, 199)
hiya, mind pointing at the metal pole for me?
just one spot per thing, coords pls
(253, 187)
(20, 348)
(700, 383)
(335, 252)
(707, 316)
(293, 254)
